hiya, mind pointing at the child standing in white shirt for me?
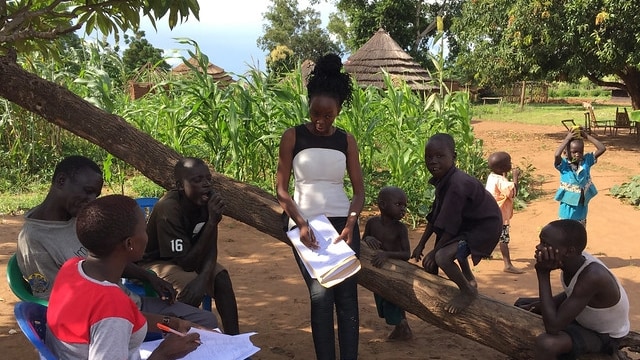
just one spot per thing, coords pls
(504, 191)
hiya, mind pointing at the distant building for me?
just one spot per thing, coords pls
(216, 72)
(380, 53)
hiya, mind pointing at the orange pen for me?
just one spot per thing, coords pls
(165, 328)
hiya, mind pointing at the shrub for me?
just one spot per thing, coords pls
(628, 192)
(529, 185)
(140, 186)
(597, 93)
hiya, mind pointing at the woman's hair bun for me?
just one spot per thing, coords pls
(327, 78)
(329, 64)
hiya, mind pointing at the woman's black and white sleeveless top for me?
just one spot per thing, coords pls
(319, 165)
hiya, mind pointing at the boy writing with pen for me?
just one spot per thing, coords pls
(88, 315)
(167, 329)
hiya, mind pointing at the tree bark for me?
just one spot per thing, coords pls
(511, 330)
(631, 78)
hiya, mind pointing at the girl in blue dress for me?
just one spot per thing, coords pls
(576, 188)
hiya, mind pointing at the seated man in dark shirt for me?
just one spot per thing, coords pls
(183, 241)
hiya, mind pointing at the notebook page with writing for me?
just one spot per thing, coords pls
(214, 346)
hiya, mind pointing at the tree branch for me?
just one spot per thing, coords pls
(598, 81)
(431, 26)
(33, 34)
(94, 7)
(21, 16)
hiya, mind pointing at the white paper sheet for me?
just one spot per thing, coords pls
(214, 346)
(329, 256)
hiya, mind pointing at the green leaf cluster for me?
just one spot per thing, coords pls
(140, 53)
(411, 23)
(36, 25)
(298, 30)
(628, 192)
(504, 41)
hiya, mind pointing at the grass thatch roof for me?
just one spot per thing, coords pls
(381, 52)
(216, 72)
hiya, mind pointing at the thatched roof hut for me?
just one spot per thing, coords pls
(216, 72)
(381, 52)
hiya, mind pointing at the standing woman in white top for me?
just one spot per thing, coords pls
(318, 153)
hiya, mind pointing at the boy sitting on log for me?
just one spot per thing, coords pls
(591, 315)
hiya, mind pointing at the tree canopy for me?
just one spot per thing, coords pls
(409, 22)
(504, 41)
(140, 53)
(298, 30)
(28, 25)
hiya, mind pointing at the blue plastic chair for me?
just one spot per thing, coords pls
(147, 204)
(32, 320)
(136, 287)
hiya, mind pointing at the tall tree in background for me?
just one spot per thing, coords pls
(504, 41)
(280, 60)
(298, 30)
(411, 23)
(140, 53)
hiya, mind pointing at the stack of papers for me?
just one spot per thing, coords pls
(331, 263)
(215, 345)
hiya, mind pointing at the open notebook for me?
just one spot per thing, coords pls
(331, 263)
(214, 346)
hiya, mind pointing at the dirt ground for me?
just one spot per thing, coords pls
(273, 300)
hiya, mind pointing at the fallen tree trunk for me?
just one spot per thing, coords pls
(59, 106)
(505, 328)
(502, 327)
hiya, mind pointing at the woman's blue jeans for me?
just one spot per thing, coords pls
(345, 298)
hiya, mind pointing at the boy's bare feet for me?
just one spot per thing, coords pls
(461, 301)
(513, 270)
(401, 332)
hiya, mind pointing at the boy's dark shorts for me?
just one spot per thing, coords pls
(588, 341)
(391, 312)
(463, 250)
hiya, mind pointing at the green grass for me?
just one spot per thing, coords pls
(16, 204)
(540, 114)
(19, 202)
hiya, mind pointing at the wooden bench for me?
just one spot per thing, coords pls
(497, 99)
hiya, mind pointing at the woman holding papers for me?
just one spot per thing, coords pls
(89, 316)
(318, 153)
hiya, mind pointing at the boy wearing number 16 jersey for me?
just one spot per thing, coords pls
(183, 241)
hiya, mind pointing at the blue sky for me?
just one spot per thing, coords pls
(227, 32)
